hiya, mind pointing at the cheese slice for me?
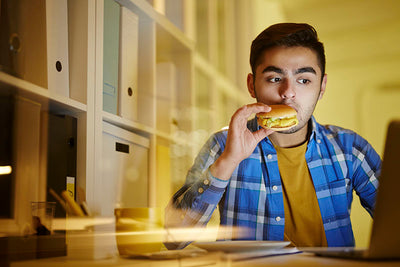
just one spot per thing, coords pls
(280, 122)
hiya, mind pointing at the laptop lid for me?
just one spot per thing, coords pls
(385, 236)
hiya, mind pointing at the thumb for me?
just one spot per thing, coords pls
(261, 134)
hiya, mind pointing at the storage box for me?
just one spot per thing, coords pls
(125, 172)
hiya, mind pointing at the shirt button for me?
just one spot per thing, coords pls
(318, 141)
(200, 190)
(206, 182)
(278, 219)
(274, 188)
(269, 156)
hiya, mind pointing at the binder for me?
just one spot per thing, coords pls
(26, 153)
(57, 47)
(110, 56)
(5, 50)
(78, 30)
(61, 155)
(23, 25)
(128, 64)
(166, 87)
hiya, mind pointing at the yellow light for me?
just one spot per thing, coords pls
(5, 170)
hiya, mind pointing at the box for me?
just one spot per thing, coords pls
(125, 169)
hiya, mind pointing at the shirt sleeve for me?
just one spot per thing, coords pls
(367, 169)
(193, 204)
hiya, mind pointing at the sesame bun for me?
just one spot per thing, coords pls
(280, 118)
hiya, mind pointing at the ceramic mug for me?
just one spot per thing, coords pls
(138, 230)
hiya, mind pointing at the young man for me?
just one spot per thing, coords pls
(295, 185)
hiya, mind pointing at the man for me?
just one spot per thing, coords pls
(295, 185)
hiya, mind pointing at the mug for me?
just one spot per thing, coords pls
(138, 230)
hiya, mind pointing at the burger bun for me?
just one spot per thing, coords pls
(284, 113)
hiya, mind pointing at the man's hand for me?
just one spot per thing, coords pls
(240, 142)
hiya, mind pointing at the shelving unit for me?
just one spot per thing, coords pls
(206, 92)
(49, 100)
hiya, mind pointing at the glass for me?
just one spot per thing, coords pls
(42, 217)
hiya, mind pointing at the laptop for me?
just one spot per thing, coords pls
(385, 235)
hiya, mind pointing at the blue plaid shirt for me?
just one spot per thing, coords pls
(339, 162)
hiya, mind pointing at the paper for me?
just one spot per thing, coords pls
(71, 186)
(259, 254)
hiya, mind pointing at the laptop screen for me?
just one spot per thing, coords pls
(385, 236)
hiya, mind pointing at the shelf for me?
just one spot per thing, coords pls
(141, 129)
(50, 101)
(164, 27)
(222, 83)
(173, 139)
(128, 125)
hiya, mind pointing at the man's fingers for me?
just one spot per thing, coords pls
(255, 108)
(245, 111)
(261, 134)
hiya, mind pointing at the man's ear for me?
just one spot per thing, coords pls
(250, 85)
(323, 86)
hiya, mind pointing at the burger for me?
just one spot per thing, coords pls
(280, 118)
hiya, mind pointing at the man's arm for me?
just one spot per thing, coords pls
(194, 203)
(366, 173)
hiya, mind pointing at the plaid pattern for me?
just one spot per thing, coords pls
(339, 162)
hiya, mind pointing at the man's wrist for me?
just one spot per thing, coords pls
(223, 168)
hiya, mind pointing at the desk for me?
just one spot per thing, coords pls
(308, 259)
(212, 259)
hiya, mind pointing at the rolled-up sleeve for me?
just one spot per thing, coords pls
(194, 203)
(367, 169)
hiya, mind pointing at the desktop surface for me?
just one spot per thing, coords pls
(210, 259)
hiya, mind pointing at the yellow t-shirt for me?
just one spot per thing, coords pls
(303, 221)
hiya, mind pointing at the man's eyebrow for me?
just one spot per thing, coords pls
(305, 69)
(273, 69)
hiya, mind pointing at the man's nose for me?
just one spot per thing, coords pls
(287, 90)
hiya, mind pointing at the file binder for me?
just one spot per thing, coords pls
(78, 54)
(110, 56)
(57, 46)
(5, 49)
(23, 40)
(166, 87)
(128, 67)
(26, 153)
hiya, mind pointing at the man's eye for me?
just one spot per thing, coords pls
(304, 81)
(274, 80)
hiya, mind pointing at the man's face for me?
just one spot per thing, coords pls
(290, 76)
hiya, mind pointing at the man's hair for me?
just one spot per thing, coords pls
(287, 35)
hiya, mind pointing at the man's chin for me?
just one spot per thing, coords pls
(294, 129)
(290, 131)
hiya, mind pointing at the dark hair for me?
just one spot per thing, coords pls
(287, 35)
